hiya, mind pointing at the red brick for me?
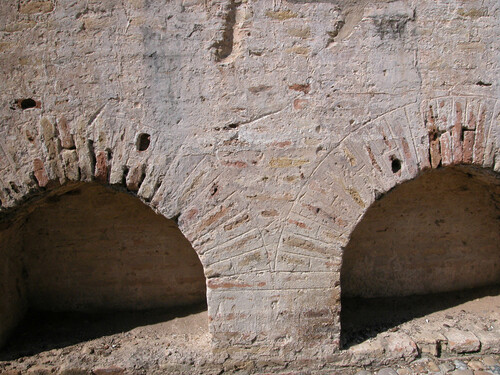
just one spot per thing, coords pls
(64, 134)
(372, 158)
(297, 223)
(300, 103)
(135, 177)
(468, 146)
(435, 153)
(479, 139)
(410, 162)
(190, 214)
(215, 217)
(235, 224)
(471, 120)
(102, 167)
(269, 213)
(282, 144)
(305, 88)
(39, 172)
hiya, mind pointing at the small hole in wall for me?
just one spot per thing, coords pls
(143, 142)
(396, 165)
(110, 153)
(25, 104)
(213, 190)
(14, 187)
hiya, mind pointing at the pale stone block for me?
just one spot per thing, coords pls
(462, 341)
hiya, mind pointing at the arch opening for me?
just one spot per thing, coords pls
(430, 244)
(91, 261)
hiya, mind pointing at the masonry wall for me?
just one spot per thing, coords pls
(267, 128)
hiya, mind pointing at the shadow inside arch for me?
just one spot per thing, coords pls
(429, 245)
(84, 261)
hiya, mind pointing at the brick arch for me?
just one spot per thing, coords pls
(183, 185)
(88, 248)
(389, 150)
(51, 156)
(249, 261)
(386, 152)
(52, 152)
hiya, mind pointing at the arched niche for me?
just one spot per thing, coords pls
(437, 233)
(88, 248)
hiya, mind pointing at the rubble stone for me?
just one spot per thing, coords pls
(462, 341)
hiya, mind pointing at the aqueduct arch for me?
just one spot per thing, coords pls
(427, 245)
(271, 249)
(392, 149)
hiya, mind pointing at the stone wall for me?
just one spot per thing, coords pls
(268, 128)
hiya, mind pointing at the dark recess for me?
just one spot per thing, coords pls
(143, 142)
(25, 104)
(44, 330)
(396, 165)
